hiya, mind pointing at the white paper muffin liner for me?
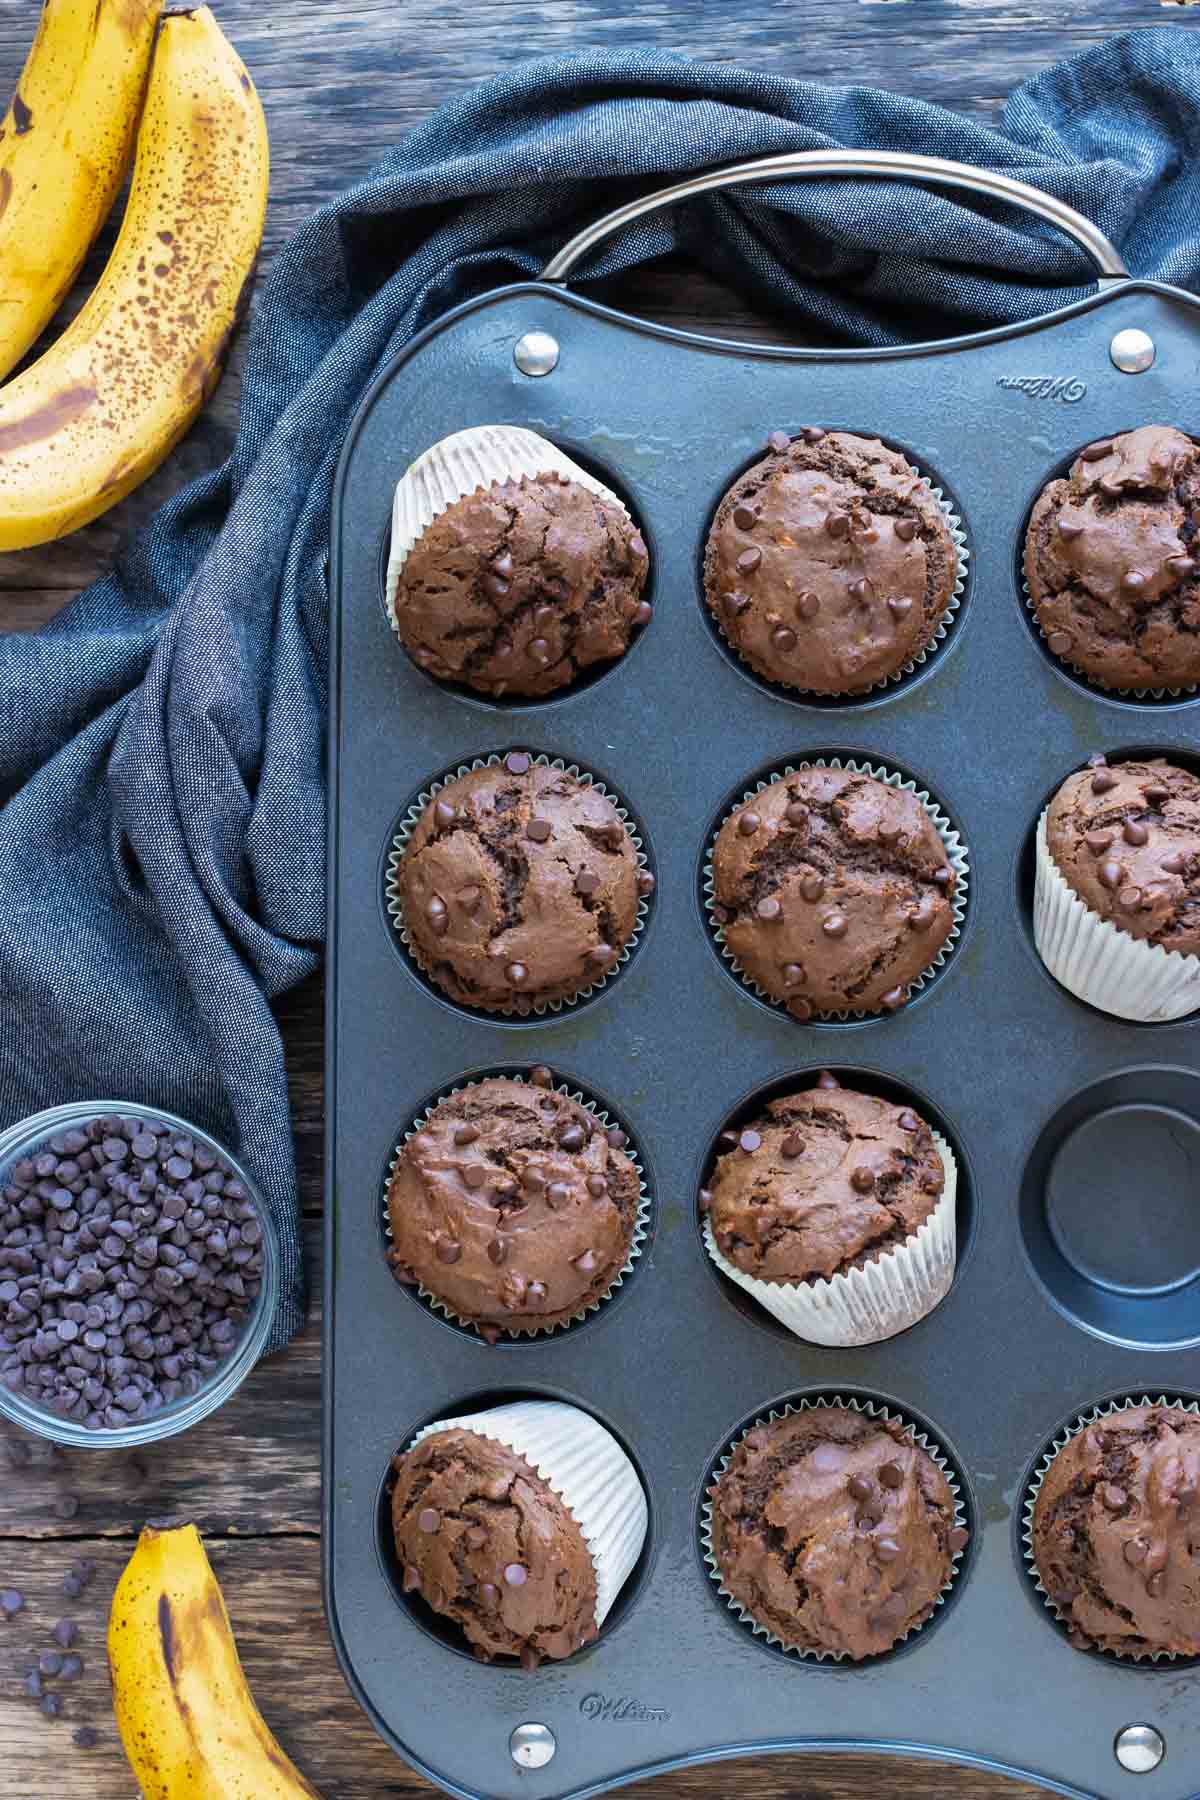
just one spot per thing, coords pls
(588, 1470)
(462, 464)
(1100, 963)
(1081, 1423)
(943, 626)
(395, 905)
(874, 1410)
(956, 852)
(1142, 693)
(868, 1304)
(641, 1218)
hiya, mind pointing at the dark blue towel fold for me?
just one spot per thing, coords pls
(161, 792)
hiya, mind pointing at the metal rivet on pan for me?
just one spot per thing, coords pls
(537, 353)
(1139, 1748)
(533, 1746)
(1132, 351)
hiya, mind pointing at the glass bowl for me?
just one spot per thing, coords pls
(177, 1415)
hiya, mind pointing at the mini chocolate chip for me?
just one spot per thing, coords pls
(597, 1187)
(857, 589)
(887, 1550)
(834, 925)
(1069, 529)
(705, 1199)
(812, 434)
(572, 1136)
(745, 518)
(808, 604)
(862, 1180)
(792, 973)
(737, 602)
(800, 1008)
(586, 1263)
(516, 1574)
(476, 1175)
(889, 832)
(1175, 863)
(1110, 874)
(518, 762)
(908, 1121)
(1134, 832)
(465, 1134)
(1059, 642)
(489, 1594)
(587, 882)
(784, 639)
(1133, 581)
(778, 441)
(615, 1138)
(1129, 898)
(925, 914)
(517, 973)
(957, 1538)
(447, 1250)
(429, 1520)
(411, 1580)
(1156, 795)
(891, 1475)
(558, 1194)
(646, 883)
(1096, 452)
(942, 877)
(792, 1146)
(748, 823)
(497, 1250)
(539, 649)
(1156, 1584)
(1103, 781)
(1136, 1550)
(837, 524)
(827, 1081)
(899, 604)
(859, 1488)
(644, 613)
(1113, 1497)
(749, 560)
(1099, 841)
(750, 1141)
(768, 908)
(538, 830)
(469, 898)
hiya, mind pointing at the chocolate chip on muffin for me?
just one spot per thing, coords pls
(1111, 561)
(519, 885)
(834, 1530)
(483, 1540)
(1115, 1528)
(519, 587)
(1126, 840)
(514, 1206)
(836, 1179)
(834, 891)
(829, 564)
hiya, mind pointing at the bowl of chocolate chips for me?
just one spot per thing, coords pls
(139, 1273)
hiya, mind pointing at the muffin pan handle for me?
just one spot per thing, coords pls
(883, 165)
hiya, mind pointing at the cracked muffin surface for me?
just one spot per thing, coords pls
(487, 1543)
(834, 1530)
(519, 587)
(1126, 839)
(833, 891)
(1111, 560)
(825, 1181)
(829, 563)
(1116, 1532)
(514, 1205)
(519, 884)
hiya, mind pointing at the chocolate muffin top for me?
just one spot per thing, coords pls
(1126, 839)
(519, 884)
(1116, 1529)
(485, 1542)
(1110, 564)
(835, 1531)
(824, 1182)
(513, 1205)
(516, 588)
(833, 890)
(829, 563)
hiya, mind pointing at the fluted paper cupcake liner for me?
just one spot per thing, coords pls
(1100, 963)
(641, 1220)
(867, 1304)
(873, 1410)
(956, 852)
(1081, 1423)
(464, 463)
(395, 904)
(941, 629)
(1142, 693)
(588, 1470)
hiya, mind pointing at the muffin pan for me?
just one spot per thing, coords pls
(1079, 1274)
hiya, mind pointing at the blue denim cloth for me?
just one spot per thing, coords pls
(161, 789)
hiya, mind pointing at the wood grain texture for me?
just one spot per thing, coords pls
(341, 80)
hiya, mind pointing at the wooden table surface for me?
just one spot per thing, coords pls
(341, 80)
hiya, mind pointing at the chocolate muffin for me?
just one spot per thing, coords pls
(825, 1181)
(829, 564)
(519, 886)
(1116, 1527)
(834, 1531)
(520, 586)
(487, 1543)
(1126, 840)
(1110, 561)
(833, 890)
(513, 1206)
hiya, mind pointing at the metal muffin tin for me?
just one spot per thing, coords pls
(1079, 1269)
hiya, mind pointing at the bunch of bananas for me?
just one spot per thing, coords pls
(95, 415)
(190, 1727)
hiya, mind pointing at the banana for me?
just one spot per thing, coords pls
(100, 410)
(190, 1728)
(64, 149)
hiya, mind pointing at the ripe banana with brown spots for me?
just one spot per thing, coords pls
(187, 1720)
(65, 143)
(100, 410)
